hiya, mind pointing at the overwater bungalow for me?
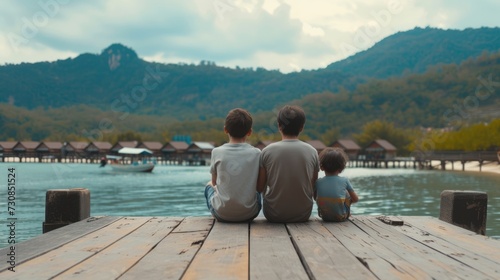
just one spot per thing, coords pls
(49, 151)
(200, 152)
(154, 147)
(380, 149)
(25, 149)
(123, 144)
(74, 150)
(97, 149)
(174, 151)
(350, 147)
(7, 149)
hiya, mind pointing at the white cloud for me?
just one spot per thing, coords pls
(275, 34)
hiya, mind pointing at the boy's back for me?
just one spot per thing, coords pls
(290, 166)
(236, 166)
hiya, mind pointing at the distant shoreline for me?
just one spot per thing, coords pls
(487, 167)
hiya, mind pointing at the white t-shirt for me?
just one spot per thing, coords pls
(237, 168)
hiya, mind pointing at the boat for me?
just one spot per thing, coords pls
(119, 163)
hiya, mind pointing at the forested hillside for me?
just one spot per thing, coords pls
(415, 50)
(115, 95)
(445, 96)
(449, 96)
(117, 80)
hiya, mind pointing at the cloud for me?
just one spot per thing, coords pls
(275, 34)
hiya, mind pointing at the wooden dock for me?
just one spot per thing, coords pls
(366, 247)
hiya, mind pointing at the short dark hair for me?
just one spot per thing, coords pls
(291, 120)
(332, 160)
(238, 123)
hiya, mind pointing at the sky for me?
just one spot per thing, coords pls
(285, 35)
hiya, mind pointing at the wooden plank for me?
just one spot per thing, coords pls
(455, 251)
(224, 254)
(377, 258)
(195, 224)
(469, 240)
(438, 265)
(43, 243)
(170, 258)
(113, 261)
(58, 260)
(324, 255)
(272, 254)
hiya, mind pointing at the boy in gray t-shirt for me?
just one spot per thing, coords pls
(288, 171)
(231, 194)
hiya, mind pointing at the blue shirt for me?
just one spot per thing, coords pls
(333, 198)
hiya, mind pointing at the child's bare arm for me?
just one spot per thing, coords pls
(354, 196)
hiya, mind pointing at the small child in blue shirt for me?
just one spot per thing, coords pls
(334, 194)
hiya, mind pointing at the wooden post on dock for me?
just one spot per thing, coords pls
(65, 206)
(466, 209)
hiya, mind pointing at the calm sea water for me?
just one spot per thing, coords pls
(178, 191)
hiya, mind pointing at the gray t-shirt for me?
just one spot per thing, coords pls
(290, 166)
(237, 168)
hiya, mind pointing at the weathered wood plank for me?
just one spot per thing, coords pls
(170, 258)
(195, 224)
(223, 255)
(113, 261)
(380, 261)
(44, 243)
(324, 255)
(436, 264)
(454, 251)
(272, 255)
(66, 256)
(487, 246)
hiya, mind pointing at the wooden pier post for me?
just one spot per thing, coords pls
(466, 209)
(65, 206)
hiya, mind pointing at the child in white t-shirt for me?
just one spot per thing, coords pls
(231, 194)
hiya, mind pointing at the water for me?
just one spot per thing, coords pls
(178, 191)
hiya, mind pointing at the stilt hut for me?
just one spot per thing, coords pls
(175, 151)
(49, 151)
(380, 149)
(26, 150)
(350, 147)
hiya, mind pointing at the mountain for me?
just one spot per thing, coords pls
(417, 49)
(116, 90)
(118, 80)
(446, 96)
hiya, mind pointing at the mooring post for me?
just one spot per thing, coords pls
(65, 206)
(466, 209)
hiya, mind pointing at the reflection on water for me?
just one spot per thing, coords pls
(178, 191)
